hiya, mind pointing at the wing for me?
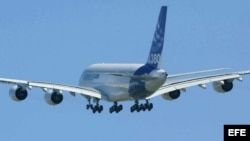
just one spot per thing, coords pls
(180, 83)
(147, 77)
(61, 87)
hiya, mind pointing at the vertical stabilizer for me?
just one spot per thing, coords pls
(155, 54)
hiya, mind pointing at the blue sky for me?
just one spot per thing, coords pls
(54, 41)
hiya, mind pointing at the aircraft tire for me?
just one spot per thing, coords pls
(132, 108)
(150, 106)
(111, 109)
(100, 109)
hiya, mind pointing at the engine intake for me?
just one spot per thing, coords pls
(223, 86)
(18, 93)
(172, 95)
(53, 97)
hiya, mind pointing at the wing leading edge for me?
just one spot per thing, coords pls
(196, 81)
(44, 85)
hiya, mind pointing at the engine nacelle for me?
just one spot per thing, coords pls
(172, 95)
(53, 97)
(18, 93)
(223, 86)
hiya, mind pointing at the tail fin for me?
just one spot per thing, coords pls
(154, 58)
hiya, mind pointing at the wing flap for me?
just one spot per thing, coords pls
(198, 72)
(72, 89)
(168, 87)
(13, 81)
(204, 81)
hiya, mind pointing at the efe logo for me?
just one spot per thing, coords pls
(236, 132)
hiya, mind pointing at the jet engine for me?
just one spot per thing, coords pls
(53, 97)
(172, 95)
(223, 86)
(18, 93)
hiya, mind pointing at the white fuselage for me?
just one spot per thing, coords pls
(116, 82)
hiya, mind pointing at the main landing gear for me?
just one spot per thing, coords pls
(141, 107)
(115, 108)
(95, 108)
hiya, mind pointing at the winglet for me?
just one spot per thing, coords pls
(154, 58)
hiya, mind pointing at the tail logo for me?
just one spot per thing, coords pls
(154, 58)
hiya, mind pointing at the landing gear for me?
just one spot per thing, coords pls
(115, 108)
(141, 107)
(95, 108)
(89, 105)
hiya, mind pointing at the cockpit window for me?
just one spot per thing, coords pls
(90, 76)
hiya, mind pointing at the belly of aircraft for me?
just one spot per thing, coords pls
(122, 92)
(114, 87)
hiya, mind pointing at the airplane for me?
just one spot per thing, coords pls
(115, 82)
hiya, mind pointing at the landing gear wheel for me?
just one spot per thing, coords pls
(115, 108)
(111, 109)
(94, 110)
(120, 107)
(132, 109)
(141, 107)
(97, 108)
(150, 106)
(100, 108)
(89, 106)
(138, 108)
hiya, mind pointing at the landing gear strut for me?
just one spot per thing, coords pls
(95, 108)
(89, 105)
(115, 108)
(141, 107)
